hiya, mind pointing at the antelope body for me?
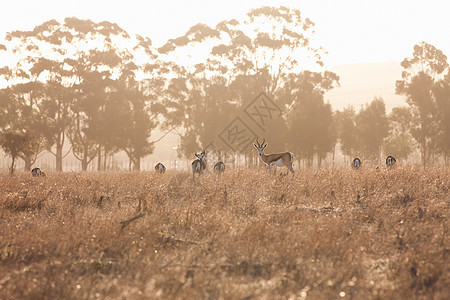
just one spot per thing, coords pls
(391, 161)
(219, 167)
(275, 160)
(37, 172)
(199, 165)
(160, 168)
(356, 164)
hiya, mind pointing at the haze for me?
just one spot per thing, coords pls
(361, 42)
(352, 31)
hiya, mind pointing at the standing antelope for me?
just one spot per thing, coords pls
(390, 161)
(160, 168)
(219, 167)
(199, 165)
(276, 159)
(356, 164)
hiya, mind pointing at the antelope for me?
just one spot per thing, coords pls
(37, 172)
(199, 165)
(160, 168)
(356, 164)
(219, 167)
(390, 161)
(276, 159)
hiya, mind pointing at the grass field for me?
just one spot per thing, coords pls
(341, 234)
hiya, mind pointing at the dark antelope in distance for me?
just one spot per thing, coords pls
(160, 168)
(199, 165)
(356, 164)
(37, 172)
(276, 159)
(391, 161)
(219, 167)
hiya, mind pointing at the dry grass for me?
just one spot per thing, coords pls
(353, 234)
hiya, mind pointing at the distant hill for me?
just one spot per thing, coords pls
(361, 82)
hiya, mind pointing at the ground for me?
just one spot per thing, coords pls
(326, 234)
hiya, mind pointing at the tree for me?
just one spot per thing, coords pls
(76, 77)
(399, 142)
(372, 126)
(310, 120)
(37, 66)
(421, 72)
(442, 94)
(22, 112)
(242, 59)
(16, 144)
(347, 131)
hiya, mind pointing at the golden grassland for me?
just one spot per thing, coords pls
(326, 234)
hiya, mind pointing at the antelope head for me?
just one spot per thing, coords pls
(201, 156)
(260, 147)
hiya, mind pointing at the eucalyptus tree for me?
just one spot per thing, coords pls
(80, 64)
(41, 53)
(421, 73)
(442, 96)
(399, 143)
(372, 124)
(310, 120)
(347, 132)
(247, 56)
(22, 113)
(16, 144)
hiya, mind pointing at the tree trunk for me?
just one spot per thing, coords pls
(28, 163)
(137, 164)
(84, 160)
(105, 155)
(99, 158)
(11, 169)
(59, 148)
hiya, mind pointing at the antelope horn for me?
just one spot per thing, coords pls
(257, 142)
(264, 140)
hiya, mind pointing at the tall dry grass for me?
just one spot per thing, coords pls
(324, 235)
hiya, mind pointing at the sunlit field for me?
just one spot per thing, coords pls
(328, 234)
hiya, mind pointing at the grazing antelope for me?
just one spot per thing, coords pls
(219, 167)
(390, 161)
(276, 159)
(160, 168)
(356, 164)
(37, 172)
(199, 165)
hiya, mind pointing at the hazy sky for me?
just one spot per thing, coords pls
(351, 31)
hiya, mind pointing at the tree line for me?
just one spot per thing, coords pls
(101, 90)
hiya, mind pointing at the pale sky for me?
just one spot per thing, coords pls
(352, 31)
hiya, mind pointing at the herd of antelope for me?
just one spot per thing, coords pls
(272, 161)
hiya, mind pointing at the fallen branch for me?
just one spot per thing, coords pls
(174, 239)
(128, 222)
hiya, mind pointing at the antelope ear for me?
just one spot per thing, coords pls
(255, 146)
(265, 146)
